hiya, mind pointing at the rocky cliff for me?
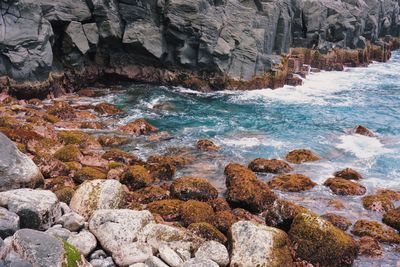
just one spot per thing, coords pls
(238, 39)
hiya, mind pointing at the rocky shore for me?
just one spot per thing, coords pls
(72, 196)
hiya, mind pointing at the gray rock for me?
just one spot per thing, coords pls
(138, 265)
(84, 241)
(259, 245)
(169, 256)
(9, 223)
(106, 262)
(75, 37)
(72, 221)
(155, 262)
(65, 208)
(37, 209)
(95, 195)
(214, 251)
(92, 33)
(16, 169)
(195, 262)
(65, 10)
(58, 231)
(15, 260)
(108, 20)
(98, 254)
(111, 227)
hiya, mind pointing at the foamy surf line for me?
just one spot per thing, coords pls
(363, 147)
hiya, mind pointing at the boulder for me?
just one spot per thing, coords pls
(16, 169)
(120, 156)
(65, 10)
(380, 203)
(37, 209)
(259, 245)
(223, 220)
(9, 223)
(362, 130)
(270, 166)
(59, 232)
(319, 242)
(194, 211)
(392, 218)
(96, 195)
(282, 214)
(245, 190)
(339, 221)
(214, 251)
(376, 230)
(348, 174)
(75, 38)
(152, 262)
(84, 241)
(169, 209)
(345, 187)
(107, 109)
(169, 256)
(301, 155)
(89, 173)
(291, 183)
(136, 177)
(206, 145)
(196, 262)
(139, 127)
(369, 247)
(207, 231)
(196, 188)
(111, 227)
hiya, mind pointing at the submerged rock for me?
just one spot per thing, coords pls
(392, 218)
(319, 242)
(376, 230)
(259, 245)
(301, 155)
(16, 169)
(245, 190)
(270, 166)
(291, 183)
(345, 187)
(348, 174)
(196, 188)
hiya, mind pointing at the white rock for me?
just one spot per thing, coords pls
(72, 221)
(138, 265)
(96, 195)
(107, 262)
(155, 262)
(59, 232)
(195, 262)
(169, 256)
(132, 253)
(37, 209)
(84, 241)
(65, 208)
(214, 251)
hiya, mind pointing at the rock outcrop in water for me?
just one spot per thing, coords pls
(197, 43)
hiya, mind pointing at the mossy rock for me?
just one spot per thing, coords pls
(208, 232)
(136, 177)
(161, 171)
(169, 209)
(376, 230)
(75, 137)
(22, 134)
(345, 187)
(8, 122)
(219, 204)
(379, 203)
(339, 221)
(64, 194)
(91, 125)
(51, 118)
(62, 110)
(206, 145)
(291, 183)
(72, 256)
(89, 173)
(150, 194)
(194, 211)
(139, 127)
(319, 242)
(348, 174)
(73, 165)
(68, 153)
(177, 161)
(301, 155)
(120, 156)
(370, 247)
(106, 140)
(269, 166)
(392, 218)
(114, 165)
(107, 109)
(223, 220)
(282, 213)
(196, 188)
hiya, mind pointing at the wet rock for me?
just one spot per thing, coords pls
(176, 238)
(169, 256)
(245, 190)
(380, 203)
(16, 169)
(223, 220)
(62, 110)
(391, 194)
(79, 138)
(150, 194)
(111, 227)
(301, 155)
(162, 170)
(359, 129)
(392, 218)
(169, 209)
(196, 262)
(139, 127)
(89, 173)
(219, 204)
(345, 187)
(9, 223)
(348, 174)
(92, 125)
(270, 166)
(214, 251)
(137, 177)
(107, 109)
(196, 188)
(177, 161)
(90, 91)
(291, 183)
(319, 242)
(72, 221)
(340, 222)
(83, 241)
(106, 140)
(207, 145)
(194, 211)
(37, 209)
(96, 195)
(282, 214)
(369, 247)
(120, 156)
(41, 249)
(68, 153)
(259, 245)
(207, 231)
(376, 230)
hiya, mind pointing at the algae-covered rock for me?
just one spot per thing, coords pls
(362, 130)
(169, 209)
(379, 203)
(177, 161)
(150, 194)
(348, 174)
(194, 211)
(369, 247)
(97, 194)
(259, 245)
(270, 166)
(219, 204)
(78, 138)
(62, 110)
(291, 183)
(139, 127)
(207, 231)
(120, 156)
(339, 221)
(376, 230)
(161, 170)
(106, 140)
(206, 145)
(319, 242)
(245, 190)
(282, 213)
(107, 109)
(345, 187)
(301, 155)
(392, 218)
(196, 188)
(64, 194)
(223, 220)
(89, 173)
(68, 153)
(137, 177)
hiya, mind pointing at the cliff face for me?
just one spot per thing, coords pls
(239, 39)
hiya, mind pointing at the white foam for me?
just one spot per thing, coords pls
(248, 142)
(362, 147)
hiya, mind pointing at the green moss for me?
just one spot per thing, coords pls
(65, 194)
(114, 165)
(89, 173)
(375, 230)
(73, 137)
(51, 118)
(194, 211)
(72, 256)
(169, 209)
(208, 232)
(137, 177)
(68, 153)
(73, 165)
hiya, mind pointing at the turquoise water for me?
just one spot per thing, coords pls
(270, 123)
